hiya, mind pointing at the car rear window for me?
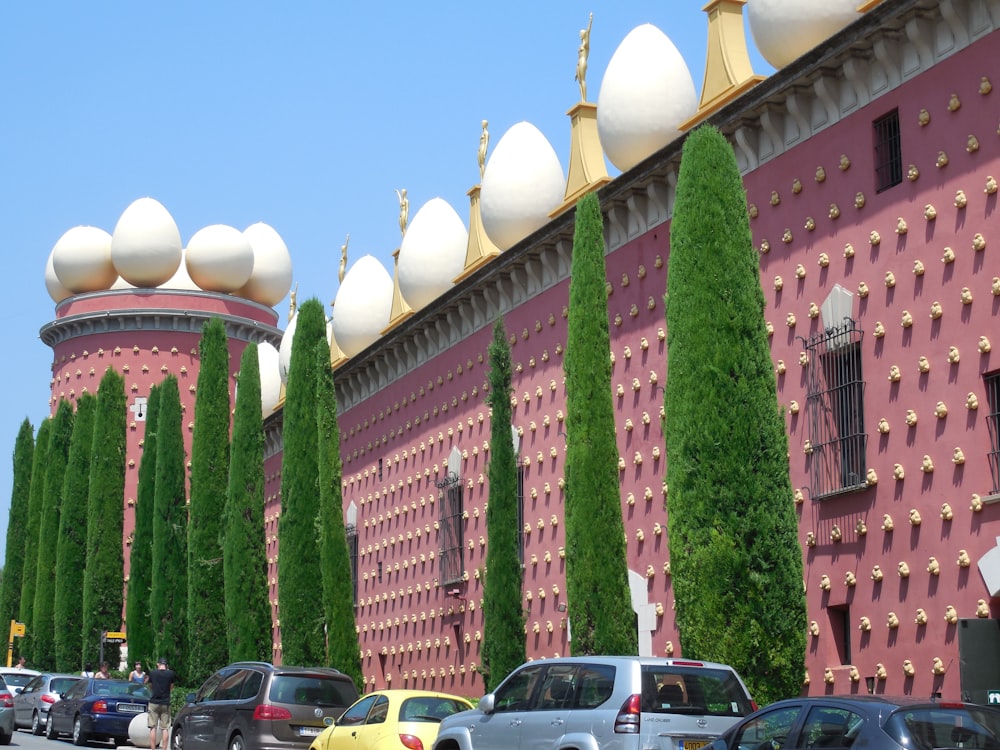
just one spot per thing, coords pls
(927, 728)
(18, 680)
(430, 708)
(312, 690)
(704, 691)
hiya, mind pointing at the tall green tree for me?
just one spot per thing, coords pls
(600, 605)
(207, 624)
(43, 645)
(338, 591)
(248, 611)
(737, 564)
(301, 622)
(168, 592)
(138, 621)
(102, 580)
(36, 499)
(17, 519)
(71, 548)
(503, 618)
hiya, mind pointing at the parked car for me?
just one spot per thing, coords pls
(6, 713)
(96, 709)
(32, 704)
(17, 678)
(391, 720)
(611, 702)
(258, 706)
(873, 722)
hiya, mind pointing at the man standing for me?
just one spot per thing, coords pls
(161, 682)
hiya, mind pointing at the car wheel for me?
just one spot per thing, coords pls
(79, 738)
(236, 743)
(177, 738)
(36, 724)
(50, 729)
(4, 738)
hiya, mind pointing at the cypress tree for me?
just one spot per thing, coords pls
(600, 605)
(301, 624)
(43, 644)
(209, 482)
(503, 618)
(31, 529)
(168, 592)
(737, 565)
(338, 591)
(71, 549)
(102, 580)
(17, 519)
(139, 623)
(248, 611)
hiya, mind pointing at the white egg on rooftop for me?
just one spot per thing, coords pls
(363, 306)
(56, 290)
(271, 277)
(285, 350)
(146, 245)
(219, 258)
(81, 259)
(181, 279)
(432, 253)
(646, 94)
(784, 30)
(522, 183)
(270, 377)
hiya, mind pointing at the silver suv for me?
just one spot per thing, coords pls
(606, 702)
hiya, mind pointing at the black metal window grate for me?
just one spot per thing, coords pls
(450, 530)
(888, 152)
(992, 383)
(835, 409)
(352, 551)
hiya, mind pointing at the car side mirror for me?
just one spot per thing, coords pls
(190, 698)
(487, 703)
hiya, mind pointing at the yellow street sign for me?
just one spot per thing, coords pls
(17, 629)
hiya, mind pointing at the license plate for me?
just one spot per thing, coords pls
(310, 731)
(131, 708)
(692, 744)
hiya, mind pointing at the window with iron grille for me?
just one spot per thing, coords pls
(450, 530)
(835, 409)
(888, 152)
(992, 383)
(520, 514)
(352, 551)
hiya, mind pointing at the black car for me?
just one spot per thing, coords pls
(95, 709)
(872, 722)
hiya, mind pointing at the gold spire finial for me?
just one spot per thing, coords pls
(581, 59)
(343, 259)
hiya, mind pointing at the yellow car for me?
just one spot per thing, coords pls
(391, 720)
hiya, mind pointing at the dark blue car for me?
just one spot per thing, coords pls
(95, 709)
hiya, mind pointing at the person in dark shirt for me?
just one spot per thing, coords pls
(161, 682)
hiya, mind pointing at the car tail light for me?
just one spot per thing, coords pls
(267, 712)
(48, 698)
(753, 705)
(411, 741)
(627, 720)
(100, 707)
(6, 700)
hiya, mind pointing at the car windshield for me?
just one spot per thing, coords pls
(671, 688)
(62, 684)
(930, 727)
(311, 690)
(18, 680)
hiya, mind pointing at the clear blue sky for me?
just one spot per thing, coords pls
(304, 115)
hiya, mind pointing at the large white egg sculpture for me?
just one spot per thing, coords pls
(522, 183)
(270, 377)
(285, 350)
(55, 289)
(646, 93)
(146, 245)
(784, 30)
(271, 277)
(432, 253)
(219, 258)
(363, 306)
(82, 260)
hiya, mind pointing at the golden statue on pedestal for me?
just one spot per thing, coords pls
(581, 61)
(343, 259)
(291, 302)
(484, 144)
(404, 211)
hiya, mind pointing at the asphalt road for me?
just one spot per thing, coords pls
(23, 738)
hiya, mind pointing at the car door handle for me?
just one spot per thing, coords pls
(354, 734)
(515, 722)
(557, 722)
